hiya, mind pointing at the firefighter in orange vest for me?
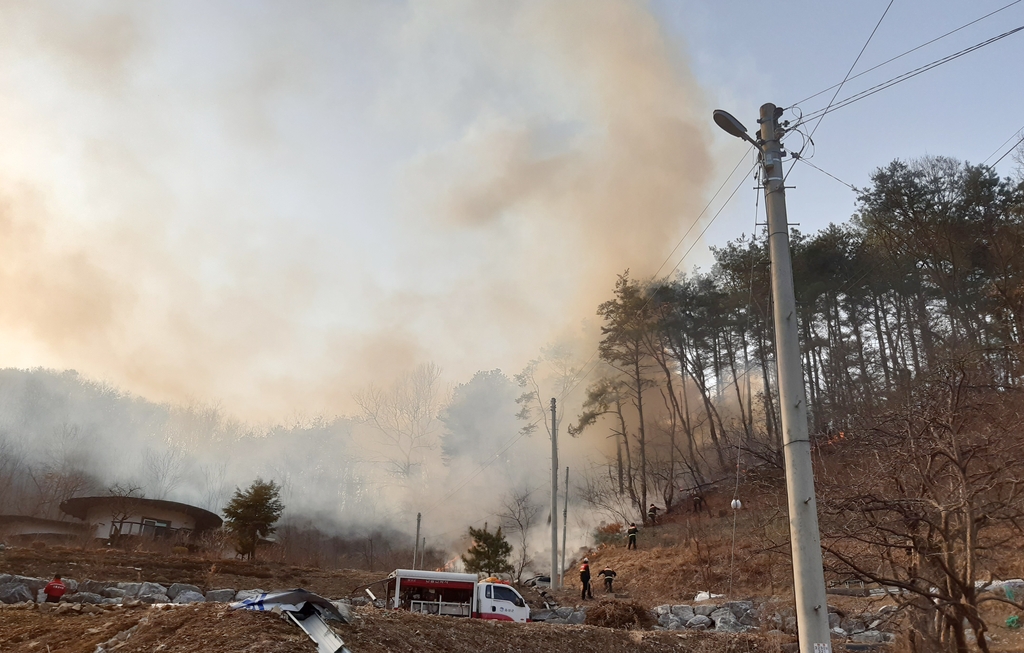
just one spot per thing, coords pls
(585, 593)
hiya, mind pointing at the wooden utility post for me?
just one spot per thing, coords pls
(554, 494)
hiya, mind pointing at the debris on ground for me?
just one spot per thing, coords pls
(620, 614)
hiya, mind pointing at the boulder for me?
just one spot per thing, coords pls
(84, 597)
(556, 620)
(682, 612)
(112, 601)
(659, 610)
(244, 595)
(34, 584)
(705, 610)
(188, 596)
(726, 621)
(871, 637)
(539, 615)
(853, 625)
(177, 588)
(665, 619)
(5, 578)
(130, 589)
(11, 592)
(739, 608)
(789, 625)
(114, 593)
(222, 596)
(563, 612)
(834, 620)
(356, 600)
(151, 589)
(700, 622)
(751, 618)
(577, 617)
(154, 598)
(93, 586)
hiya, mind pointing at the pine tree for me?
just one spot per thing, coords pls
(252, 514)
(489, 553)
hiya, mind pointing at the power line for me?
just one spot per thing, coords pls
(1007, 152)
(915, 49)
(856, 97)
(1001, 145)
(808, 162)
(839, 87)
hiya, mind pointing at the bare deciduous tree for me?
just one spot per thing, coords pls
(164, 470)
(519, 514)
(404, 415)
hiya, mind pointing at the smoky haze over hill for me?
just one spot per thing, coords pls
(268, 209)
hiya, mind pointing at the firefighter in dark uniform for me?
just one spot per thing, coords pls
(609, 575)
(631, 534)
(585, 580)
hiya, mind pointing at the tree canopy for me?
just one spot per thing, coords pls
(489, 554)
(252, 514)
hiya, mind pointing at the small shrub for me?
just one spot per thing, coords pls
(608, 534)
(39, 545)
(620, 614)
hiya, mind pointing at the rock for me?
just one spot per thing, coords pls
(130, 589)
(221, 596)
(155, 598)
(93, 586)
(177, 588)
(34, 584)
(563, 612)
(556, 620)
(112, 601)
(853, 625)
(188, 596)
(71, 584)
(84, 597)
(789, 625)
(739, 608)
(699, 622)
(577, 617)
(152, 589)
(751, 618)
(705, 610)
(659, 610)
(834, 620)
(542, 615)
(869, 637)
(665, 619)
(839, 632)
(114, 593)
(11, 592)
(5, 578)
(726, 621)
(245, 595)
(683, 612)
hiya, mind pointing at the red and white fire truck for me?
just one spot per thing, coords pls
(455, 595)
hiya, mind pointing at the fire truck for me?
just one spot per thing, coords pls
(454, 595)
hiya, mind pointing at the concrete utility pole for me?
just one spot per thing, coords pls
(416, 544)
(565, 528)
(554, 494)
(808, 576)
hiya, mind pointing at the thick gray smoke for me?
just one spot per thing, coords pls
(271, 209)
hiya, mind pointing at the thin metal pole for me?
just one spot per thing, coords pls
(416, 542)
(808, 575)
(554, 494)
(565, 530)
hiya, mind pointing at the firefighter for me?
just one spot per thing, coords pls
(609, 575)
(631, 534)
(586, 592)
(652, 514)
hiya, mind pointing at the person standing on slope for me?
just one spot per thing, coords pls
(586, 592)
(609, 575)
(631, 534)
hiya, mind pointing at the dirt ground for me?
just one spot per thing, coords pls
(215, 627)
(163, 568)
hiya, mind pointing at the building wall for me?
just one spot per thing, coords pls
(101, 516)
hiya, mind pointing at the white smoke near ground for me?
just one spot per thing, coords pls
(267, 208)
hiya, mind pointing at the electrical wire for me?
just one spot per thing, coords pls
(805, 160)
(915, 49)
(1002, 145)
(1012, 148)
(905, 76)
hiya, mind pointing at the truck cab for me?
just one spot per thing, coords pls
(501, 602)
